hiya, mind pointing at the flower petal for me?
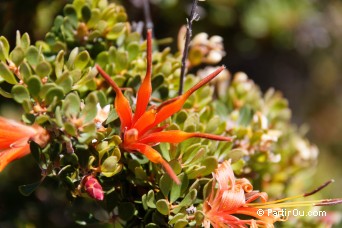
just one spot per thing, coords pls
(168, 108)
(12, 132)
(121, 103)
(9, 155)
(145, 90)
(177, 136)
(145, 121)
(154, 157)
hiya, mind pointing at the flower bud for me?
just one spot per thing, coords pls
(93, 187)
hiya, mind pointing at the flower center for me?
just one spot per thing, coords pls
(131, 136)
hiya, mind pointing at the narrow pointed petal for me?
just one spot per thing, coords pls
(145, 90)
(204, 81)
(171, 108)
(177, 136)
(121, 103)
(145, 121)
(9, 155)
(154, 157)
(12, 132)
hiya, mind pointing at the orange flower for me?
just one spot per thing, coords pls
(140, 130)
(232, 197)
(14, 139)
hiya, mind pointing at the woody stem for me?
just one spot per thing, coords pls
(193, 16)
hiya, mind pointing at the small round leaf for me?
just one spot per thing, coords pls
(17, 55)
(6, 74)
(34, 84)
(163, 206)
(43, 69)
(54, 93)
(20, 93)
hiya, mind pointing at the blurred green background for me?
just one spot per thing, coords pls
(293, 46)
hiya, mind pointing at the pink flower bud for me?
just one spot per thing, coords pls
(93, 187)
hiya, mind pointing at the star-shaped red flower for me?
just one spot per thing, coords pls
(140, 130)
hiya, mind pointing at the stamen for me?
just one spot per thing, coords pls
(319, 188)
(295, 197)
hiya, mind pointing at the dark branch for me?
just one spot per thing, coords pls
(147, 14)
(193, 16)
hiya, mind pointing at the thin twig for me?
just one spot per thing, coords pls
(147, 14)
(193, 16)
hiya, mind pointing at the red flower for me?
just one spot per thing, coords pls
(140, 130)
(232, 197)
(14, 139)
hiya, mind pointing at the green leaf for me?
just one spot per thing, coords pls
(32, 56)
(41, 119)
(163, 207)
(20, 93)
(17, 55)
(27, 189)
(189, 198)
(211, 164)
(70, 129)
(95, 17)
(7, 74)
(43, 69)
(71, 105)
(116, 31)
(110, 166)
(5, 94)
(72, 57)
(36, 151)
(133, 50)
(121, 61)
(165, 184)
(54, 93)
(102, 59)
(65, 81)
(69, 159)
(246, 115)
(27, 106)
(25, 41)
(4, 48)
(59, 63)
(89, 111)
(207, 189)
(236, 154)
(46, 88)
(86, 13)
(34, 84)
(213, 124)
(81, 60)
(102, 98)
(157, 81)
(126, 210)
(176, 218)
(150, 200)
(70, 11)
(25, 71)
(199, 217)
(140, 173)
(178, 190)
(181, 223)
